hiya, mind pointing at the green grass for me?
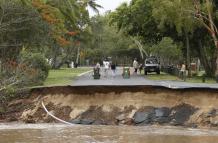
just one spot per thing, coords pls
(164, 76)
(198, 79)
(64, 76)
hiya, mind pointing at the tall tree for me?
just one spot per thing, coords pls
(174, 13)
(167, 51)
(20, 26)
(136, 19)
(206, 16)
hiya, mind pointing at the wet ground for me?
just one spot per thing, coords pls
(135, 79)
(56, 133)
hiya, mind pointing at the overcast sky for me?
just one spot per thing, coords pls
(108, 5)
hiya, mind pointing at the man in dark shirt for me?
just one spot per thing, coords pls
(113, 68)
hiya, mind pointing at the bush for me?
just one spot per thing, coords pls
(34, 68)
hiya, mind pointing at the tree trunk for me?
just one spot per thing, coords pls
(213, 34)
(207, 64)
(55, 63)
(188, 54)
(216, 70)
(77, 56)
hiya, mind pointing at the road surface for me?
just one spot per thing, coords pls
(134, 80)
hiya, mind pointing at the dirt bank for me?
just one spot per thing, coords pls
(115, 105)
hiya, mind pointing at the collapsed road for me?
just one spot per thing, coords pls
(118, 105)
(116, 101)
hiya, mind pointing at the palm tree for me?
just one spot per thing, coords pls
(92, 4)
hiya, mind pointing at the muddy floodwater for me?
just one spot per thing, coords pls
(56, 133)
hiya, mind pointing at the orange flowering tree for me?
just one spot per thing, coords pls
(54, 18)
(65, 19)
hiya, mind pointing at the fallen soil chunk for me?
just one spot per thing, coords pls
(162, 115)
(181, 113)
(144, 115)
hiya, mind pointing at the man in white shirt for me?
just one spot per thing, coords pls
(106, 67)
(135, 65)
(183, 72)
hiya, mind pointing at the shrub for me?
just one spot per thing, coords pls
(34, 68)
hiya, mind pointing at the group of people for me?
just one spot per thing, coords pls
(106, 67)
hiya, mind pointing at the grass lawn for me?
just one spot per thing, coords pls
(164, 76)
(63, 76)
(198, 79)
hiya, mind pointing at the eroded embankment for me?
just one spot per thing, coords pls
(114, 105)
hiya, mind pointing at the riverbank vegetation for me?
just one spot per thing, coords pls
(38, 35)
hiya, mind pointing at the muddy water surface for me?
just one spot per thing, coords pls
(48, 133)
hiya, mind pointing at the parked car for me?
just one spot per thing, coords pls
(151, 65)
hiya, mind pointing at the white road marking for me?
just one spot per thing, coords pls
(84, 73)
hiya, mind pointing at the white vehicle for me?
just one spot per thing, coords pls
(151, 65)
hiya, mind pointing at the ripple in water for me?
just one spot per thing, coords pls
(57, 133)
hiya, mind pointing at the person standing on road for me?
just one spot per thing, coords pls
(97, 66)
(96, 71)
(135, 65)
(113, 68)
(183, 71)
(106, 64)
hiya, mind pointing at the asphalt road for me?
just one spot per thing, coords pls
(134, 80)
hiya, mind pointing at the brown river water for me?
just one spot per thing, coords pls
(58, 133)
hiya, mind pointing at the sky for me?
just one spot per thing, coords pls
(108, 5)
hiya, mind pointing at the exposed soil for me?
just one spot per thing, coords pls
(115, 105)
